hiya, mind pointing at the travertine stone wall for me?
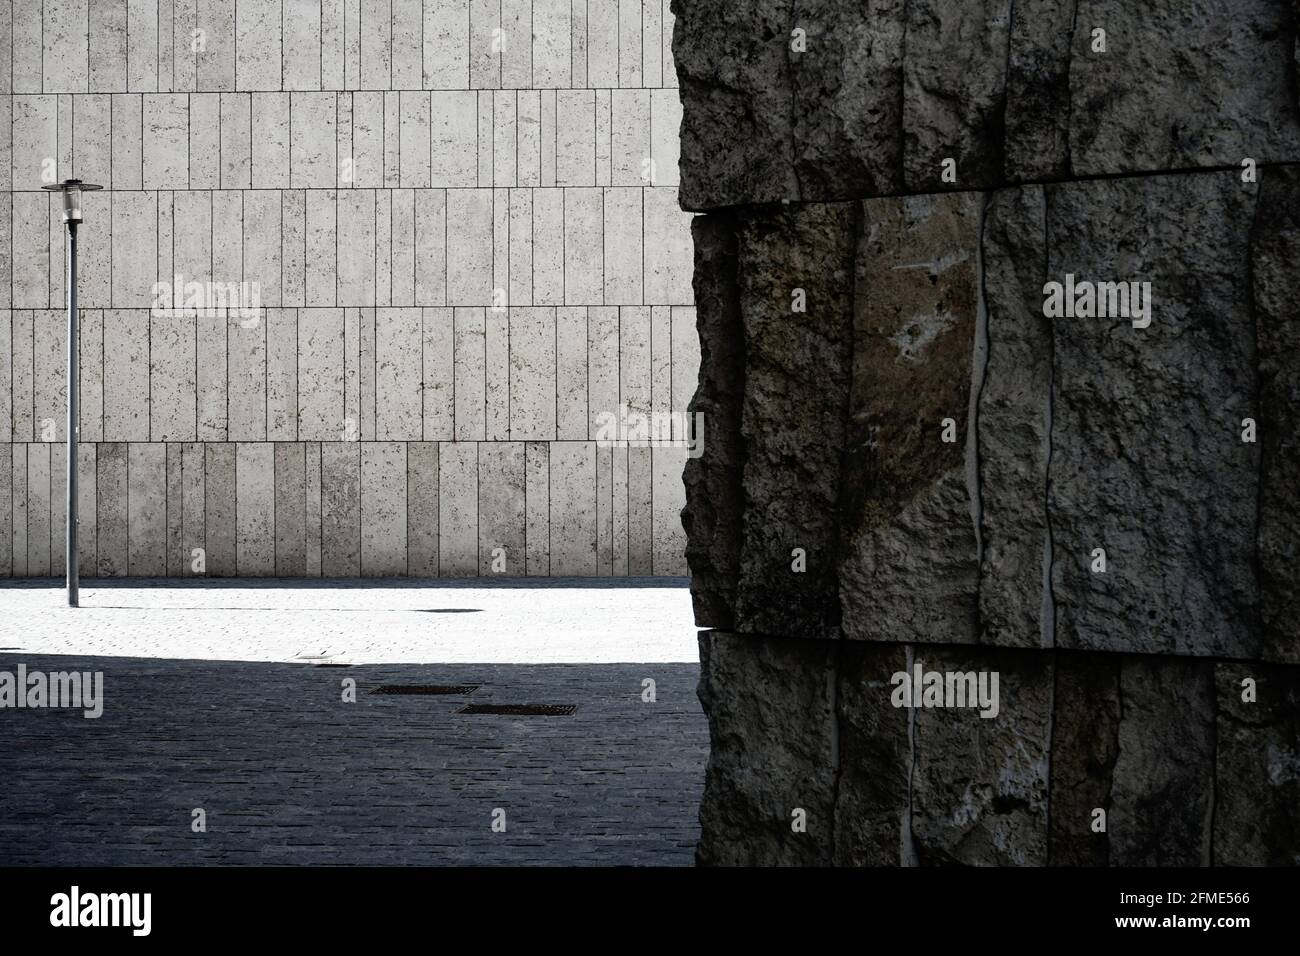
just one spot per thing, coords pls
(461, 221)
(914, 464)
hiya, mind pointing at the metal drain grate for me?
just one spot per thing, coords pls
(520, 710)
(427, 690)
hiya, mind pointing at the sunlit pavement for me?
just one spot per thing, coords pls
(505, 621)
(226, 708)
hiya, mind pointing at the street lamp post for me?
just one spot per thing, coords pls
(72, 190)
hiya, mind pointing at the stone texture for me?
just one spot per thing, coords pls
(875, 758)
(1085, 744)
(980, 784)
(1119, 691)
(1162, 795)
(793, 421)
(340, 167)
(1013, 92)
(1012, 422)
(910, 563)
(1183, 84)
(1146, 459)
(1275, 250)
(848, 98)
(1257, 757)
(615, 784)
(714, 503)
(954, 92)
(771, 711)
(1036, 121)
(734, 76)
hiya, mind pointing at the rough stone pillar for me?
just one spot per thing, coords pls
(922, 455)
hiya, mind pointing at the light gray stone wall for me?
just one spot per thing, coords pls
(461, 221)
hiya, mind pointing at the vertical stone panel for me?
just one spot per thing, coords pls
(282, 374)
(422, 509)
(470, 374)
(571, 405)
(458, 509)
(1013, 419)
(994, 812)
(787, 508)
(502, 509)
(533, 396)
(340, 509)
(872, 799)
(383, 508)
(126, 375)
(537, 495)
(1139, 466)
(39, 524)
(246, 350)
(220, 503)
(290, 509)
(147, 509)
(193, 505)
(911, 567)
(1275, 245)
(111, 510)
(775, 697)
(573, 514)
(172, 379)
(255, 508)
(1162, 796)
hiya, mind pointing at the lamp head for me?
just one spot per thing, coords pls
(72, 190)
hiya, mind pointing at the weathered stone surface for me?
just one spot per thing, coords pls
(1085, 745)
(1275, 257)
(979, 785)
(1147, 461)
(1072, 433)
(875, 759)
(1183, 83)
(1013, 92)
(910, 563)
(1037, 123)
(714, 504)
(1012, 424)
(734, 75)
(1162, 794)
(1257, 792)
(848, 98)
(954, 92)
(771, 713)
(795, 410)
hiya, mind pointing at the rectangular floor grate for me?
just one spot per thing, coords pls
(520, 710)
(427, 690)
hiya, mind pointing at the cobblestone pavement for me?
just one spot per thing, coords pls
(287, 773)
(477, 620)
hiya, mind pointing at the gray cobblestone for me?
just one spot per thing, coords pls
(289, 774)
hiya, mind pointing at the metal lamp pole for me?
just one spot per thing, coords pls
(72, 190)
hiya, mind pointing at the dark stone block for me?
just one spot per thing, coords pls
(1162, 794)
(910, 565)
(1257, 788)
(1147, 461)
(979, 784)
(795, 410)
(770, 707)
(1085, 745)
(875, 758)
(1275, 269)
(714, 503)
